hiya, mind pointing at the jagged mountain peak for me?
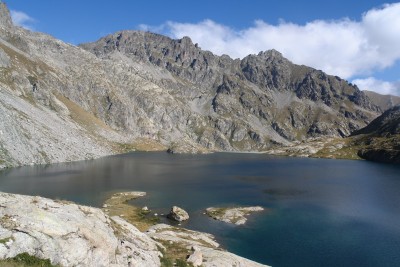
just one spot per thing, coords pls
(272, 53)
(5, 16)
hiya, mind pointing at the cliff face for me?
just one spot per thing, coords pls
(142, 90)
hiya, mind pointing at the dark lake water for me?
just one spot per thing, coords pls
(319, 212)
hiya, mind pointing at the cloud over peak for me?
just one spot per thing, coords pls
(379, 86)
(22, 19)
(340, 47)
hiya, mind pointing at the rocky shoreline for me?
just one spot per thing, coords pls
(68, 234)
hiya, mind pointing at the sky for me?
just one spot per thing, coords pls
(356, 40)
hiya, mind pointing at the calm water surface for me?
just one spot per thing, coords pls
(319, 212)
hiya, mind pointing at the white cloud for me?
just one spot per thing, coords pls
(22, 19)
(343, 47)
(379, 86)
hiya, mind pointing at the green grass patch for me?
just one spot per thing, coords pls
(5, 240)
(24, 259)
(182, 263)
(216, 212)
(166, 262)
(175, 254)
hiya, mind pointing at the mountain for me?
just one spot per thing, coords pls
(138, 90)
(384, 102)
(249, 104)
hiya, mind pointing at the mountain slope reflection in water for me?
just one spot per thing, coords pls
(319, 212)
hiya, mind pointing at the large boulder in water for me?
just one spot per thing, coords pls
(178, 214)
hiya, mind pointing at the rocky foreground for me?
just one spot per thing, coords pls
(72, 235)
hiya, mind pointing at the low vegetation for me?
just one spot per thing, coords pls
(26, 260)
(175, 254)
(117, 205)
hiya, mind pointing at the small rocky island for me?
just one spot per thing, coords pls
(235, 215)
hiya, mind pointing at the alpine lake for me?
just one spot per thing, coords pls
(318, 212)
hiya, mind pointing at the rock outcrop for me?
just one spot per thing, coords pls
(235, 215)
(178, 214)
(70, 235)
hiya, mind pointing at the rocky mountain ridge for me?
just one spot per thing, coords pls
(381, 138)
(255, 102)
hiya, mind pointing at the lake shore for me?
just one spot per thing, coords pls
(68, 234)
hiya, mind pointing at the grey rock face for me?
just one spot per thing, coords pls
(70, 235)
(5, 17)
(4, 59)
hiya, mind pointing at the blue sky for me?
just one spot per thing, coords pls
(357, 40)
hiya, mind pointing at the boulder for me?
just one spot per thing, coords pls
(178, 214)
